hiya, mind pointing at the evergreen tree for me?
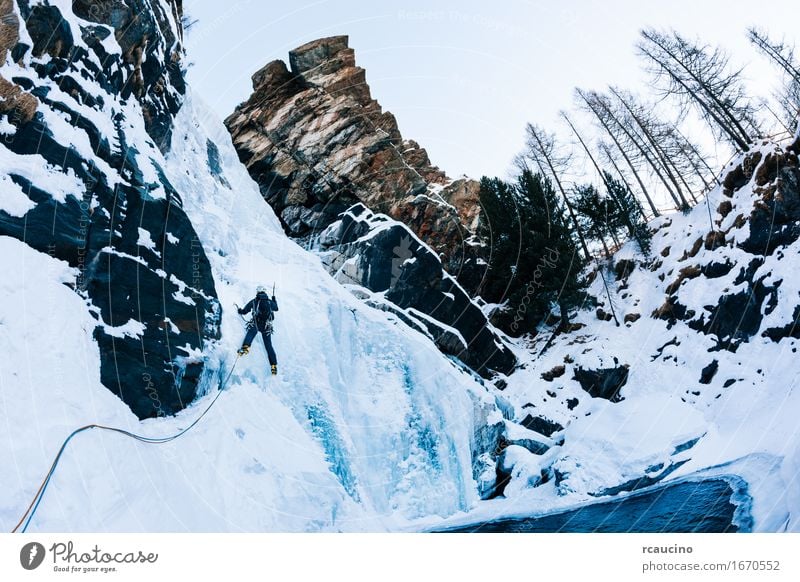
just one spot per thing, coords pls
(499, 227)
(534, 263)
(613, 216)
(630, 215)
(597, 215)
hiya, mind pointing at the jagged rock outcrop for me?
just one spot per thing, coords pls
(87, 103)
(316, 142)
(377, 253)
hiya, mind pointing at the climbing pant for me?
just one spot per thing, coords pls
(251, 334)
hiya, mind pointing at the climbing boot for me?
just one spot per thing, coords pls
(244, 350)
(274, 369)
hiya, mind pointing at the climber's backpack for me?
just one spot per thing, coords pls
(262, 309)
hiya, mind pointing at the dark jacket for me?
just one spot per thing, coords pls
(263, 308)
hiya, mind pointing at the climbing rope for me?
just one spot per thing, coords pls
(37, 499)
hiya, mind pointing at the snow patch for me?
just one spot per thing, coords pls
(36, 170)
(145, 240)
(14, 201)
(133, 329)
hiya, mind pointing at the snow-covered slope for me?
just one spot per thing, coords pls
(702, 373)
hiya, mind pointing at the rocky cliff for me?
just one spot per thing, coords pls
(316, 142)
(88, 91)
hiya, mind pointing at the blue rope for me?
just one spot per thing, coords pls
(144, 439)
(40, 495)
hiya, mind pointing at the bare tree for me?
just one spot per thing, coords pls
(681, 159)
(787, 108)
(693, 155)
(642, 123)
(607, 152)
(586, 149)
(604, 176)
(542, 150)
(595, 226)
(593, 103)
(700, 75)
(617, 121)
(782, 55)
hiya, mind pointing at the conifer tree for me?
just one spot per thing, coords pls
(534, 260)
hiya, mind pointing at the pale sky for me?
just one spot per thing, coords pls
(463, 77)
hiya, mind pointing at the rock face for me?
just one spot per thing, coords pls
(150, 36)
(541, 425)
(92, 95)
(377, 253)
(760, 234)
(316, 142)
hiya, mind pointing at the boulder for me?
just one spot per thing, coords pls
(604, 382)
(540, 424)
(707, 374)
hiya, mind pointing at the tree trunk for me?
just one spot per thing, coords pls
(644, 153)
(627, 185)
(564, 195)
(659, 153)
(621, 151)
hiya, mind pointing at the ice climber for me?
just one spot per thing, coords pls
(263, 308)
